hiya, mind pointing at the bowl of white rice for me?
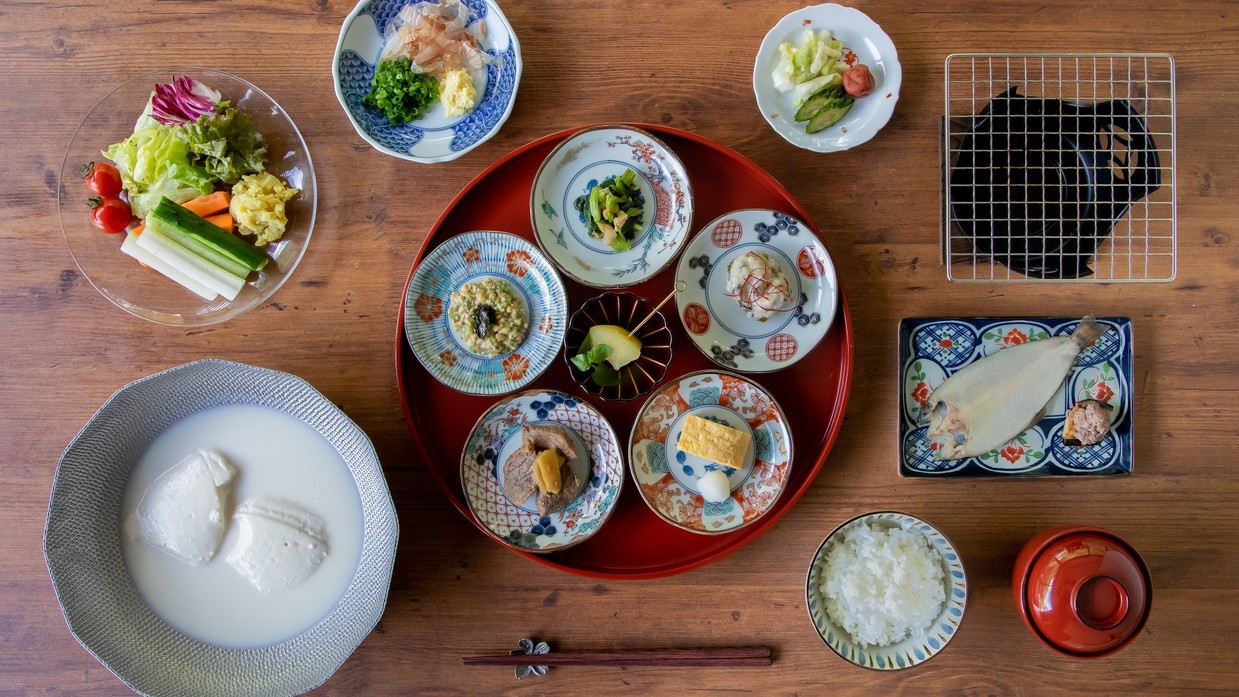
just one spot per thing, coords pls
(886, 591)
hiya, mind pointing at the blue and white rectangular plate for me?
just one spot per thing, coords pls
(932, 349)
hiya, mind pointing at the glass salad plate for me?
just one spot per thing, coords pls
(635, 543)
(478, 256)
(497, 435)
(667, 477)
(435, 137)
(933, 349)
(745, 327)
(581, 162)
(872, 48)
(142, 291)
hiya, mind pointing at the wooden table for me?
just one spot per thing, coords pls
(64, 349)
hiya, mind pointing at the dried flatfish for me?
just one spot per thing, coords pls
(989, 402)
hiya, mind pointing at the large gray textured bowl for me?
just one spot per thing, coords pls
(82, 540)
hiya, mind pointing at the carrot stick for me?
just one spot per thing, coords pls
(209, 204)
(220, 220)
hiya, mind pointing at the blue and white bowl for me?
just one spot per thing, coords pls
(715, 321)
(475, 256)
(497, 435)
(912, 650)
(435, 137)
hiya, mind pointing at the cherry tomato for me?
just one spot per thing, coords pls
(102, 178)
(110, 214)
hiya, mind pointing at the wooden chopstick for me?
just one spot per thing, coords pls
(730, 656)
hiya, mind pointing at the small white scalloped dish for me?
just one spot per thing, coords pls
(872, 47)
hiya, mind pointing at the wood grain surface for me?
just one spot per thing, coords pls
(64, 348)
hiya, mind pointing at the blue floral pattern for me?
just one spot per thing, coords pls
(354, 73)
(498, 434)
(730, 337)
(932, 349)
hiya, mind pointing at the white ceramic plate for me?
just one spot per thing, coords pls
(497, 435)
(872, 47)
(435, 137)
(715, 320)
(579, 163)
(667, 477)
(474, 256)
(912, 650)
(103, 606)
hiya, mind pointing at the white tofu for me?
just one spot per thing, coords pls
(182, 511)
(279, 544)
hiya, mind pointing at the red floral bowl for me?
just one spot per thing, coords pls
(1082, 590)
(625, 310)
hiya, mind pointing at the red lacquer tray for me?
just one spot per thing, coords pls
(635, 543)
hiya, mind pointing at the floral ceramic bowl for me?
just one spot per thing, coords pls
(479, 256)
(714, 315)
(579, 163)
(435, 137)
(497, 435)
(912, 650)
(667, 477)
(623, 310)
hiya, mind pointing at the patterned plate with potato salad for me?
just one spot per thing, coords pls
(513, 319)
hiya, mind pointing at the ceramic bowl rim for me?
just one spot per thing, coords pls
(950, 584)
(666, 153)
(491, 6)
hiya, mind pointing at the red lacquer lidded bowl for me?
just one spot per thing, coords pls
(1082, 590)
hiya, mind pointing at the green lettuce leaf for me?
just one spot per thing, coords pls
(226, 145)
(154, 162)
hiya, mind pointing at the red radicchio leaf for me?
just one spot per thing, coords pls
(182, 101)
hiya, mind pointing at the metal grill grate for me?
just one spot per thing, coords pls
(1059, 168)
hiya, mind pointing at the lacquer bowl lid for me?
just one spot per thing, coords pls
(1087, 593)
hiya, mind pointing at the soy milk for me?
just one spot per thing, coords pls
(277, 456)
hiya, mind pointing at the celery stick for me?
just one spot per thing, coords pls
(214, 277)
(210, 242)
(196, 246)
(130, 247)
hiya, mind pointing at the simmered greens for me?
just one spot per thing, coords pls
(613, 210)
